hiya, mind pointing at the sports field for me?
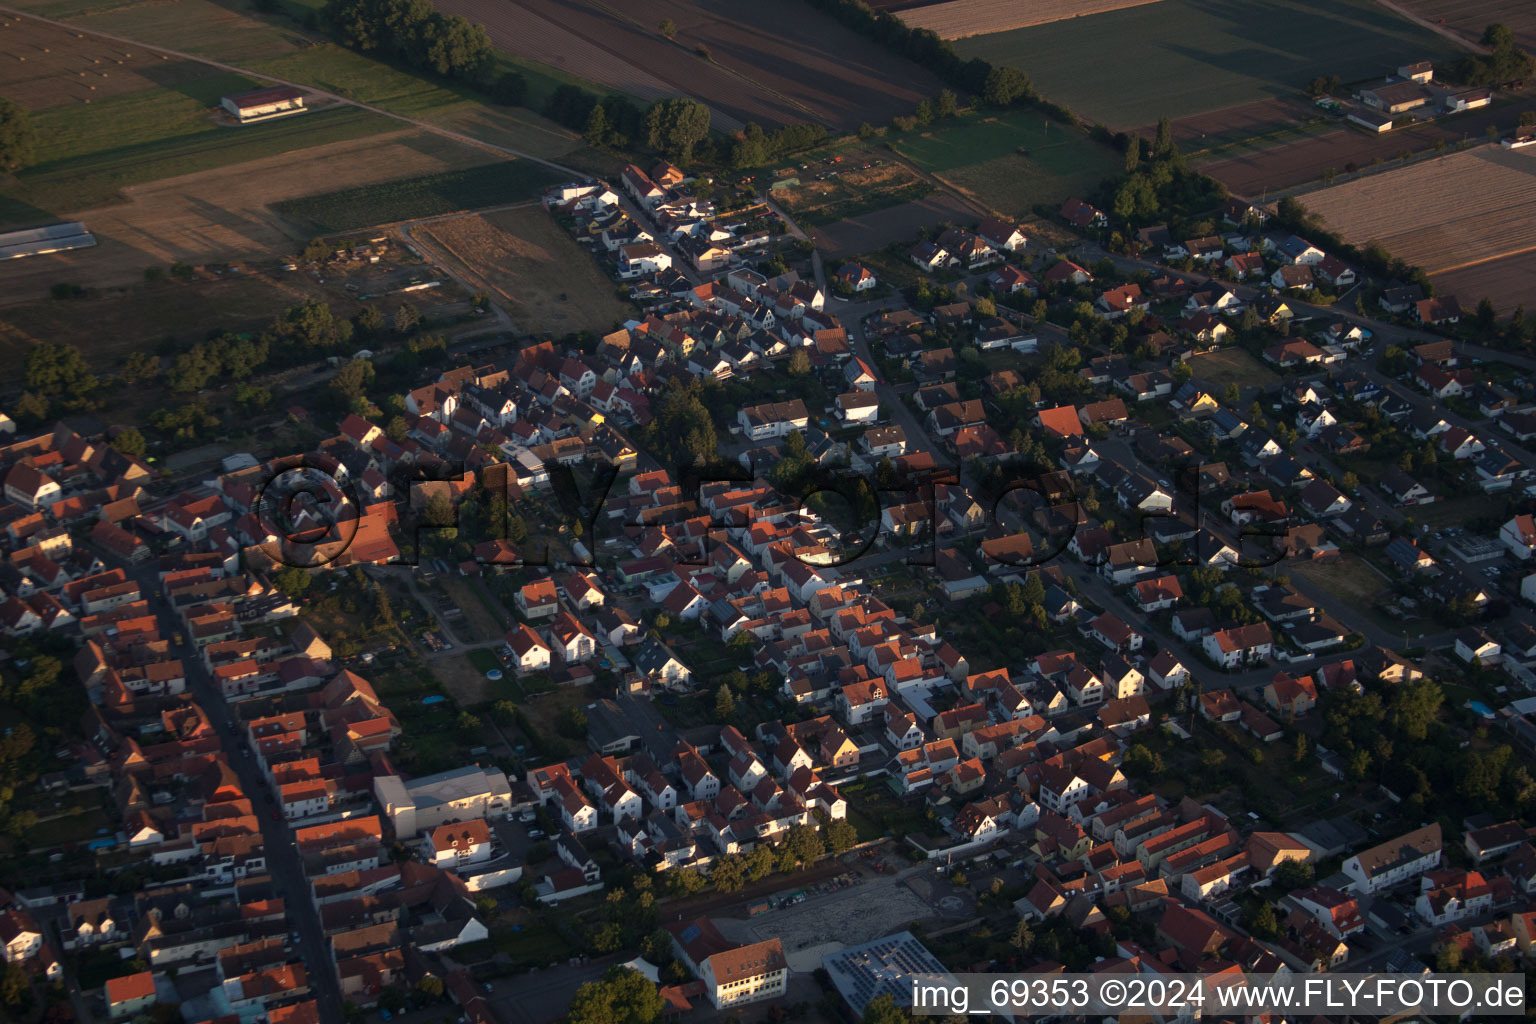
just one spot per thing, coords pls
(1012, 161)
(1129, 67)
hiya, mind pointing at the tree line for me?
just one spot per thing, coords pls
(411, 32)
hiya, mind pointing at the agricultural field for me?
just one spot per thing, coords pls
(531, 268)
(428, 195)
(223, 214)
(867, 183)
(867, 232)
(1269, 165)
(1012, 161)
(1468, 18)
(958, 19)
(1442, 214)
(1176, 58)
(1507, 282)
(773, 65)
(205, 28)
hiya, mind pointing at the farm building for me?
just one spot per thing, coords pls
(262, 104)
(1394, 97)
(1371, 122)
(1454, 101)
(1422, 72)
(38, 241)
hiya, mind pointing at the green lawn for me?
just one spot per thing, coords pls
(1129, 67)
(424, 196)
(1011, 161)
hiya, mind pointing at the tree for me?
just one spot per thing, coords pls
(407, 318)
(799, 363)
(18, 139)
(621, 996)
(292, 580)
(1163, 146)
(430, 986)
(946, 104)
(56, 370)
(883, 1009)
(725, 704)
(596, 131)
(352, 379)
(1486, 316)
(392, 999)
(804, 842)
(1133, 154)
(130, 442)
(667, 28)
(841, 835)
(1291, 875)
(1262, 921)
(15, 991)
(675, 126)
(1005, 86)
(728, 874)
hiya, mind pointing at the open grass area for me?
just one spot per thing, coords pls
(1011, 161)
(69, 828)
(428, 195)
(1127, 68)
(1354, 582)
(1232, 366)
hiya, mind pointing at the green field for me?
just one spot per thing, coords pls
(1011, 161)
(1129, 67)
(85, 158)
(425, 196)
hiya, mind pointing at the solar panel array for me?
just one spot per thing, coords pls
(883, 966)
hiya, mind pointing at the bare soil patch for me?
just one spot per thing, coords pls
(530, 266)
(1507, 282)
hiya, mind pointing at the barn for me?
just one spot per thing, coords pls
(38, 241)
(263, 104)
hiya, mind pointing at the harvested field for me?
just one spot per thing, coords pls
(880, 228)
(1468, 18)
(960, 18)
(770, 64)
(1439, 214)
(42, 66)
(827, 72)
(1507, 282)
(531, 267)
(226, 214)
(1176, 58)
(1270, 168)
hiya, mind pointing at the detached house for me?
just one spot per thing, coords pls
(1238, 646)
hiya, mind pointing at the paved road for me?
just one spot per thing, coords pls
(289, 878)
